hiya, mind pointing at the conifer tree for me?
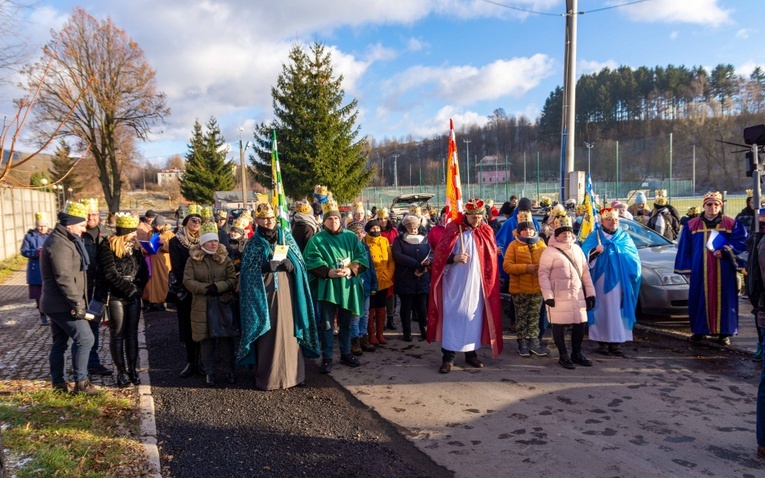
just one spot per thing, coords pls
(207, 170)
(61, 164)
(318, 140)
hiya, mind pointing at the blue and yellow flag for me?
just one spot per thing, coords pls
(588, 220)
(277, 189)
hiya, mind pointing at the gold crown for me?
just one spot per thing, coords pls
(302, 207)
(320, 190)
(91, 204)
(241, 223)
(581, 209)
(415, 209)
(222, 214)
(545, 201)
(383, 213)
(563, 222)
(359, 207)
(77, 209)
(209, 227)
(195, 209)
(524, 216)
(41, 216)
(712, 196)
(609, 213)
(126, 220)
(660, 198)
(693, 210)
(475, 206)
(264, 209)
(206, 211)
(246, 214)
(329, 206)
(750, 193)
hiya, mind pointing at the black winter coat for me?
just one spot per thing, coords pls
(122, 277)
(408, 258)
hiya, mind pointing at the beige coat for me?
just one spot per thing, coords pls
(558, 280)
(201, 270)
(159, 282)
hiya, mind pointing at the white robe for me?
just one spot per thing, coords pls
(463, 300)
(608, 325)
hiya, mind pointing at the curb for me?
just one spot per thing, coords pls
(684, 337)
(148, 430)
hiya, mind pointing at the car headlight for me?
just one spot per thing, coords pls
(670, 278)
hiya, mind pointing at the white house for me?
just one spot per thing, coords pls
(168, 176)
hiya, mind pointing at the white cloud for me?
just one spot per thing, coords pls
(378, 52)
(584, 67)
(745, 33)
(416, 44)
(674, 35)
(702, 12)
(747, 68)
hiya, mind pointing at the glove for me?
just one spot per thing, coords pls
(550, 302)
(79, 314)
(211, 290)
(287, 265)
(270, 266)
(590, 301)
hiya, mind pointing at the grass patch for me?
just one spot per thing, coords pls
(9, 266)
(48, 433)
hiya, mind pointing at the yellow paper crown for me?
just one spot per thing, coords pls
(415, 210)
(545, 201)
(77, 209)
(195, 209)
(241, 223)
(558, 210)
(581, 209)
(126, 220)
(209, 227)
(302, 207)
(750, 193)
(320, 190)
(264, 209)
(41, 216)
(524, 216)
(610, 213)
(359, 207)
(383, 213)
(246, 214)
(91, 204)
(222, 214)
(206, 211)
(712, 196)
(330, 206)
(661, 197)
(563, 222)
(693, 210)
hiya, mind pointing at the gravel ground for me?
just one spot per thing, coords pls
(237, 430)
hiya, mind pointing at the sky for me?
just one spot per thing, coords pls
(411, 64)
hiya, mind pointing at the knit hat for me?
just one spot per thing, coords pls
(74, 213)
(475, 206)
(524, 204)
(411, 219)
(618, 205)
(125, 222)
(370, 224)
(160, 221)
(150, 213)
(712, 197)
(355, 227)
(507, 208)
(209, 232)
(562, 224)
(330, 208)
(660, 198)
(640, 198)
(41, 219)
(525, 221)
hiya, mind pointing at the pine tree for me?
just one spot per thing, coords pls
(207, 170)
(61, 167)
(318, 140)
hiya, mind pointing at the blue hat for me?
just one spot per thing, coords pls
(640, 198)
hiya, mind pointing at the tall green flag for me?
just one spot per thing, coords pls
(277, 189)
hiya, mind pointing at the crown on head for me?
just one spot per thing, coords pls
(320, 190)
(383, 213)
(77, 209)
(329, 206)
(581, 209)
(359, 207)
(240, 223)
(125, 220)
(475, 206)
(660, 198)
(195, 209)
(264, 209)
(609, 213)
(693, 210)
(247, 215)
(302, 207)
(563, 222)
(545, 201)
(712, 196)
(91, 204)
(524, 216)
(415, 209)
(222, 214)
(750, 193)
(209, 228)
(41, 216)
(206, 211)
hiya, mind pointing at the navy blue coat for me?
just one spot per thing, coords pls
(30, 248)
(408, 258)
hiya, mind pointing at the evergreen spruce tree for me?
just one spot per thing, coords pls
(61, 164)
(317, 138)
(207, 170)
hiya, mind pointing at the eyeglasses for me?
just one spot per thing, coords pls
(195, 220)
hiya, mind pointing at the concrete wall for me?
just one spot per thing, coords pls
(17, 216)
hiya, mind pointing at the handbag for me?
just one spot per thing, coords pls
(584, 289)
(176, 292)
(221, 321)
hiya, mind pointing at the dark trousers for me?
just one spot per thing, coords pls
(325, 324)
(413, 306)
(577, 336)
(123, 325)
(449, 355)
(63, 327)
(93, 359)
(225, 346)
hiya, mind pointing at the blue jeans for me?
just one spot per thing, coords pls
(359, 324)
(62, 328)
(325, 321)
(93, 359)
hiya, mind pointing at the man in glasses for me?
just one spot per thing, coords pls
(465, 285)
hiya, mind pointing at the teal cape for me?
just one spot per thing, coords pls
(620, 264)
(325, 249)
(253, 304)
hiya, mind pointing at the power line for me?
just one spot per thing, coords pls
(564, 14)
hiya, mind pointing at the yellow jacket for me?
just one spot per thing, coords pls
(382, 257)
(517, 256)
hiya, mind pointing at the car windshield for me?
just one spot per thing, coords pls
(641, 235)
(405, 205)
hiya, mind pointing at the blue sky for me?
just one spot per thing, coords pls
(412, 64)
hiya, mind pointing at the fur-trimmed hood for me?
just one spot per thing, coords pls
(198, 254)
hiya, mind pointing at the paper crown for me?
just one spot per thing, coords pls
(206, 211)
(524, 216)
(562, 223)
(91, 204)
(692, 211)
(557, 210)
(195, 209)
(330, 206)
(358, 207)
(475, 206)
(240, 223)
(749, 193)
(209, 228)
(264, 209)
(41, 216)
(581, 209)
(660, 198)
(383, 213)
(545, 201)
(76, 209)
(320, 190)
(712, 196)
(246, 214)
(609, 213)
(125, 220)
(303, 207)
(222, 214)
(415, 210)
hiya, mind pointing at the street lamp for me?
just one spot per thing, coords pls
(70, 193)
(44, 183)
(467, 145)
(395, 169)
(242, 148)
(589, 147)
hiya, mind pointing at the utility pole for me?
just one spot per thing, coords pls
(589, 147)
(395, 169)
(569, 96)
(467, 145)
(244, 171)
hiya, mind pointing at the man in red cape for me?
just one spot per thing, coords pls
(465, 282)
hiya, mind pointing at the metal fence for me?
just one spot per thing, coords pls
(17, 216)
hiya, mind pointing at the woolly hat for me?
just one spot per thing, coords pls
(355, 227)
(150, 213)
(74, 213)
(640, 198)
(370, 224)
(712, 197)
(524, 204)
(562, 224)
(160, 221)
(411, 219)
(41, 219)
(507, 208)
(209, 232)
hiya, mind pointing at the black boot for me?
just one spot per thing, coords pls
(122, 380)
(133, 374)
(577, 336)
(189, 370)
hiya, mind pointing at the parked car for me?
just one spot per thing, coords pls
(233, 214)
(401, 204)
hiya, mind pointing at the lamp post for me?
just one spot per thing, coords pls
(395, 170)
(44, 183)
(467, 154)
(243, 147)
(589, 147)
(70, 193)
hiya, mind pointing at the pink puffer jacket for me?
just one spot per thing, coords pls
(558, 280)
